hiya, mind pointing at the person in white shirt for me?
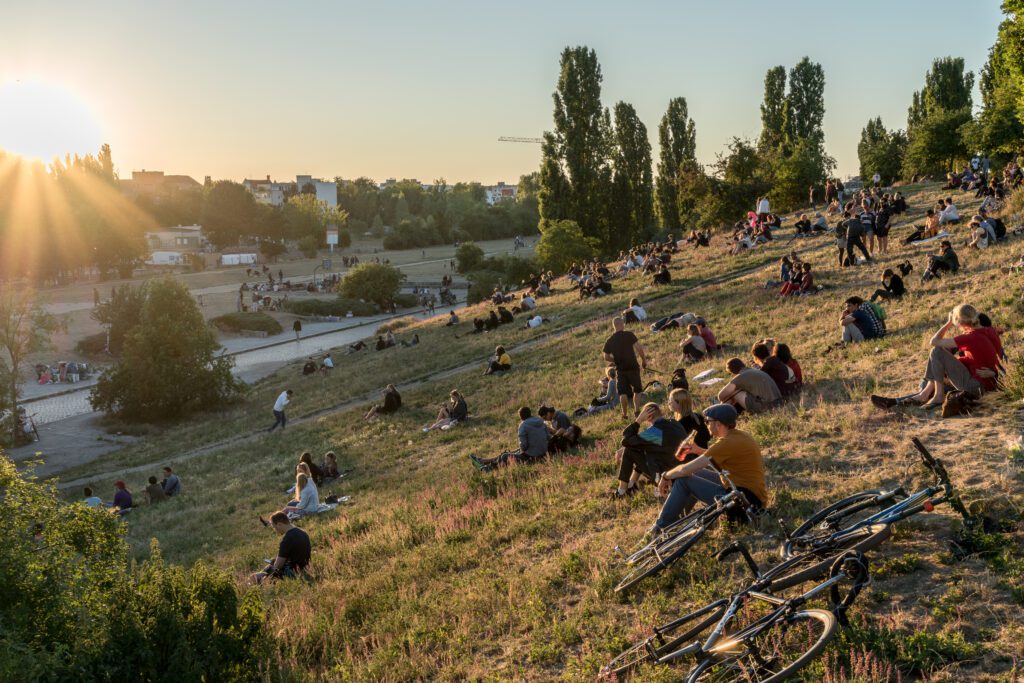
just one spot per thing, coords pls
(535, 321)
(763, 209)
(528, 303)
(327, 364)
(635, 313)
(279, 405)
(877, 180)
(949, 214)
(90, 500)
(308, 501)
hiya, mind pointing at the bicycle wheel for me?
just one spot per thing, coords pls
(662, 554)
(640, 552)
(835, 517)
(815, 563)
(768, 654)
(666, 639)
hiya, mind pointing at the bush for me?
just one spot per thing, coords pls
(272, 249)
(468, 257)
(377, 282)
(406, 300)
(516, 269)
(93, 345)
(563, 243)
(121, 313)
(309, 246)
(339, 306)
(256, 322)
(481, 284)
(73, 608)
(169, 365)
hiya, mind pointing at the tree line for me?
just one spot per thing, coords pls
(942, 130)
(599, 194)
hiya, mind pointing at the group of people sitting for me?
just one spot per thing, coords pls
(311, 366)
(309, 477)
(123, 502)
(774, 377)
(550, 431)
(796, 277)
(65, 371)
(526, 304)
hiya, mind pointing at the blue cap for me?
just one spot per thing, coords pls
(723, 412)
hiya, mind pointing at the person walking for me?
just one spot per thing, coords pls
(297, 328)
(622, 350)
(279, 405)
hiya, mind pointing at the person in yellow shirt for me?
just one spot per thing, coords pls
(500, 361)
(733, 450)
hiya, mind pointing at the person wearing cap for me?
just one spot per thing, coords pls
(122, 497)
(750, 388)
(733, 451)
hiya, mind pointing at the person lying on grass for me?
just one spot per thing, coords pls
(392, 402)
(749, 389)
(968, 362)
(293, 553)
(451, 413)
(533, 443)
(732, 450)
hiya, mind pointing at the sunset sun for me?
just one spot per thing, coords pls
(41, 121)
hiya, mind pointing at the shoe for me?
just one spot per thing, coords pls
(883, 401)
(617, 495)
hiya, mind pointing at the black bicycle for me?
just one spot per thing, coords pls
(869, 508)
(753, 636)
(659, 552)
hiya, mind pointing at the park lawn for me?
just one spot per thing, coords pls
(436, 571)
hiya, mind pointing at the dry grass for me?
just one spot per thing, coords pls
(437, 572)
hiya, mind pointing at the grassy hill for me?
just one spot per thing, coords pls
(436, 571)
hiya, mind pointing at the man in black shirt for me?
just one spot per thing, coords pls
(622, 349)
(774, 368)
(293, 552)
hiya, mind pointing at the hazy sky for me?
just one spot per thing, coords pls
(424, 89)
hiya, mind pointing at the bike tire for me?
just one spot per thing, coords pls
(790, 546)
(711, 670)
(820, 561)
(641, 653)
(654, 562)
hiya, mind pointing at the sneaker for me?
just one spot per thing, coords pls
(883, 401)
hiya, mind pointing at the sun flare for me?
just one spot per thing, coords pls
(42, 121)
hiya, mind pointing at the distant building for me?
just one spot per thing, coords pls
(325, 191)
(500, 193)
(177, 238)
(269, 191)
(156, 185)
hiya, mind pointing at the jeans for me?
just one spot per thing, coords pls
(703, 485)
(852, 242)
(646, 464)
(279, 419)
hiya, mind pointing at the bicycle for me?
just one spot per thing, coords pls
(848, 516)
(770, 649)
(677, 538)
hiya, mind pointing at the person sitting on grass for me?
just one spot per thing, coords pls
(694, 346)
(647, 449)
(793, 282)
(122, 498)
(980, 238)
(749, 389)
(499, 362)
(859, 321)
(381, 344)
(453, 319)
(680, 402)
(698, 480)
(783, 353)
(635, 313)
(563, 435)
(293, 553)
(892, 287)
(803, 225)
(91, 500)
(326, 365)
(154, 494)
(358, 346)
(609, 397)
(329, 467)
(948, 214)
(171, 483)
(392, 402)
(709, 336)
(307, 501)
(309, 367)
(946, 261)
(663, 276)
(533, 443)
(451, 413)
(505, 316)
(974, 371)
(807, 285)
(771, 365)
(315, 472)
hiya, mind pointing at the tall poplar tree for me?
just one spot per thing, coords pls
(632, 200)
(677, 137)
(575, 173)
(804, 109)
(773, 122)
(937, 117)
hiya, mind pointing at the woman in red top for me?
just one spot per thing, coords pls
(972, 372)
(786, 356)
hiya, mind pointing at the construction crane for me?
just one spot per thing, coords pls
(535, 141)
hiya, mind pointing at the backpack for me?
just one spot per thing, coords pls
(958, 402)
(877, 309)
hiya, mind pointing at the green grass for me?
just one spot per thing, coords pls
(435, 571)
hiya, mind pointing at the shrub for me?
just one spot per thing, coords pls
(257, 322)
(377, 282)
(563, 243)
(169, 365)
(272, 249)
(93, 345)
(309, 246)
(338, 306)
(405, 300)
(516, 269)
(481, 284)
(468, 257)
(73, 608)
(121, 313)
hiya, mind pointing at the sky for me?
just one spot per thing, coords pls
(424, 89)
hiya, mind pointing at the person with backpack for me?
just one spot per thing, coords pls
(860, 321)
(971, 372)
